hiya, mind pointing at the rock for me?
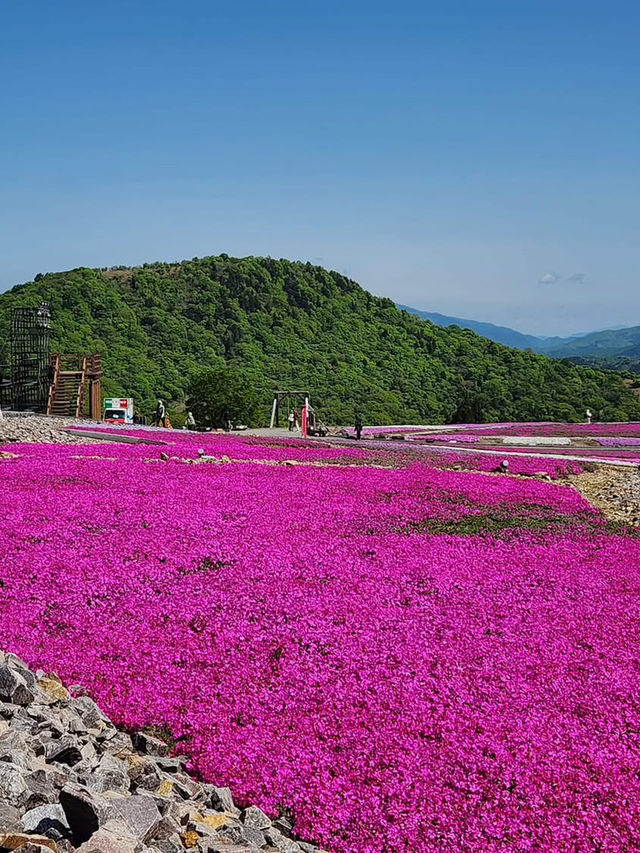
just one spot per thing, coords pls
(85, 813)
(222, 800)
(12, 785)
(9, 818)
(183, 812)
(111, 774)
(116, 742)
(49, 820)
(188, 787)
(14, 748)
(44, 780)
(30, 847)
(63, 751)
(211, 821)
(13, 686)
(140, 813)
(284, 825)
(165, 788)
(53, 690)
(281, 842)
(254, 836)
(113, 837)
(16, 840)
(18, 665)
(255, 818)
(91, 715)
(89, 754)
(143, 772)
(233, 833)
(171, 765)
(172, 844)
(189, 839)
(165, 829)
(148, 744)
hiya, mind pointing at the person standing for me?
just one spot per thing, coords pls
(588, 415)
(190, 421)
(358, 426)
(161, 414)
(291, 420)
(227, 420)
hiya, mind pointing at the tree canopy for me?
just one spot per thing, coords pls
(289, 324)
(220, 394)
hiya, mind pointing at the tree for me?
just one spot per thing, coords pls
(221, 392)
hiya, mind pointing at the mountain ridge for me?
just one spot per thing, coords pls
(293, 324)
(619, 342)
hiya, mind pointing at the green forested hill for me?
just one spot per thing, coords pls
(297, 325)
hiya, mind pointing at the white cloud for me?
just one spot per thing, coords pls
(549, 278)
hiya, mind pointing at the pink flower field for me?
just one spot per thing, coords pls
(557, 429)
(613, 453)
(408, 659)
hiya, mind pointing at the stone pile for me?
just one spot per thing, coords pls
(71, 781)
(615, 491)
(37, 429)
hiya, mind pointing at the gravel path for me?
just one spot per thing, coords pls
(615, 491)
(37, 429)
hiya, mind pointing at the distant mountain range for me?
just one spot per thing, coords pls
(613, 348)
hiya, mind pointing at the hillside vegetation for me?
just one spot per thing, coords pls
(295, 325)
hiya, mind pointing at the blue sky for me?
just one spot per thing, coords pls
(473, 158)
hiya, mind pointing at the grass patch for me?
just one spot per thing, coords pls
(489, 524)
(501, 523)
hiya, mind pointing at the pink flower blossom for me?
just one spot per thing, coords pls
(329, 639)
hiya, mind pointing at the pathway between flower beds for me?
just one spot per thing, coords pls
(403, 659)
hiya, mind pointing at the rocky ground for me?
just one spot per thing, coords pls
(71, 781)
(615, 491)
(38, 429)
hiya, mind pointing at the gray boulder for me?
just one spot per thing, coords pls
(148, 744)
(85, 812)
(255, 818)
(281, 842)
(112, 837)
(254, 836)
(91, 715)
(12, 785)
(233, 833)
(110, 775)
(49, 820)
(140, 814)
(221, 799)
(63, 751)
(172, 844)
(9, 818)
(13, 686)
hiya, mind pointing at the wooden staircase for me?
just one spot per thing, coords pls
(68, 380)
